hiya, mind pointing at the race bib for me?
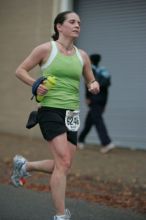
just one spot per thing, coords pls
(72, 120)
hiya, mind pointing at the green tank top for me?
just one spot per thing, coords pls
(68, 71)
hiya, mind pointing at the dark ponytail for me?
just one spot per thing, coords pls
(61, 17)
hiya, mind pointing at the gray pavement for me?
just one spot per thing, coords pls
(23, 204)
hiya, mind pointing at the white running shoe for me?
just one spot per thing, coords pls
(81, 145)
(107, 148)
(18, 172)
(67, 216)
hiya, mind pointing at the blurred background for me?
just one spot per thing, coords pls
(116, 29)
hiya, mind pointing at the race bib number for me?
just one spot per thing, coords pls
(72, 120)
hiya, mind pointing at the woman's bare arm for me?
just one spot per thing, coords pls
(36, 57)
(92, 84)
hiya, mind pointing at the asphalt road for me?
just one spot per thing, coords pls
(23, 204)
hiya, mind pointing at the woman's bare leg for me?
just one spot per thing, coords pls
(45, 166)
(63, 153)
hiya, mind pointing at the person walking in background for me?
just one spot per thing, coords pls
(97, 104)
(58, 114)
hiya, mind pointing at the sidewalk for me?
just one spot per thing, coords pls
(22, 204)
(117, 179)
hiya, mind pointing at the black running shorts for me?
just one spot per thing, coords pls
(52, 123)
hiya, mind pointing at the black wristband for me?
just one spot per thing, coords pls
(91, 82)
(36, 84)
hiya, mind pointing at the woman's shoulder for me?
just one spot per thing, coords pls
(84, 55)
(42, 51)
(45, 47)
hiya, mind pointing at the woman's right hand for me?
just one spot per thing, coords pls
(42, 90)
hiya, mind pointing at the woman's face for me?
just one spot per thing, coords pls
(71, 26)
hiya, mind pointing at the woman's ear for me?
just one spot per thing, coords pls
(59, 27)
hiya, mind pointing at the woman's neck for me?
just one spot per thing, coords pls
(67, 47)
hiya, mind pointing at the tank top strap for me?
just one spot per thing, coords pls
(79, 55)
(53, 54)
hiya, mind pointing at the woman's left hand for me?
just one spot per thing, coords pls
(94, 87)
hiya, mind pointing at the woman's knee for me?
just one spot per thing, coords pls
(65, 164)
